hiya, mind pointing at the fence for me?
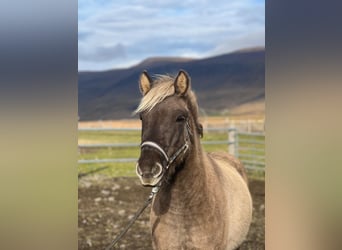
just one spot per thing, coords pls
(247, 146)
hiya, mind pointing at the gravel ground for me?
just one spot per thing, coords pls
(105, 206)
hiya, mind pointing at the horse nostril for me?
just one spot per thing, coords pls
(157, 170)
(154, 172)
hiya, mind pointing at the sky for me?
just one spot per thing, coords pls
(121, 33)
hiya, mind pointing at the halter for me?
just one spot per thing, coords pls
(170, 160)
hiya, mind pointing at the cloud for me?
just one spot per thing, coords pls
(133, 30)
(102, 53)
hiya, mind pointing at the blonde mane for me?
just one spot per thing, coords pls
(162, 87)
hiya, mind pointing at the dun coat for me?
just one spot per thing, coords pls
(203, 200)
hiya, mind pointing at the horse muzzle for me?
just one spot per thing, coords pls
(150, 175)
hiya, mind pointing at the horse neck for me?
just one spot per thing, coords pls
(182, 194)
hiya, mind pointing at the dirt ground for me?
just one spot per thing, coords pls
(107, 204)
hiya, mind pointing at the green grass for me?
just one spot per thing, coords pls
(109, 153)
(111, 169)
(110, 136)
(128, 169)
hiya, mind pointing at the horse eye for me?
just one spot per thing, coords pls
(180, 118)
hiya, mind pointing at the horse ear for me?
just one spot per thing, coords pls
(182, 83)
(145, 83)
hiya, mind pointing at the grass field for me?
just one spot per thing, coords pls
(128, 169)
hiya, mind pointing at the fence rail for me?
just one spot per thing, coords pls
(247, 146)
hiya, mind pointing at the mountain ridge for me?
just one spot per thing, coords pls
(221, 83)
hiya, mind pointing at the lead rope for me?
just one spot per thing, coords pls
(135, 217)
(155, 189)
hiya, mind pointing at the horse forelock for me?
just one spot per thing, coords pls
(163, 87)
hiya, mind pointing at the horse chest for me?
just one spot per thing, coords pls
(187, 232)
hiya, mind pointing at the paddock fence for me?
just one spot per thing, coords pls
(247, 146)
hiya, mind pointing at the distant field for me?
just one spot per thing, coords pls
(207, 121)
(128, 169)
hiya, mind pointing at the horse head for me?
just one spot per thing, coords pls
(168, 124)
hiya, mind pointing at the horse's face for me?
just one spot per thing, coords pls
(165, 131)
(166, 126)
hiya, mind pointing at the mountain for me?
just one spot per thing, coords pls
(221, 83)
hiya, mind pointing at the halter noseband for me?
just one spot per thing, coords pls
(171, 159)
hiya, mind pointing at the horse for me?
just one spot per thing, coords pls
(203, 200)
